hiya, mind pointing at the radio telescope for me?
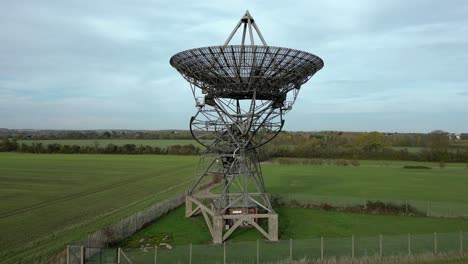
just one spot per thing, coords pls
(242, 93)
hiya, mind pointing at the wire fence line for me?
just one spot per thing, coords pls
(96, 243)
(283, 251)
(428, 208)
(131, 224)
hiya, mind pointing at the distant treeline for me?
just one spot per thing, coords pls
(13, 146)
(436, 146)
(392, 139)
(95, 134)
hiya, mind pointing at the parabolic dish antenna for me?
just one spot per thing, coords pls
(242, 93)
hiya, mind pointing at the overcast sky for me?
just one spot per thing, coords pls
(389, 65)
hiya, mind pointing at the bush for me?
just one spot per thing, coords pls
(416, 167)
(8, 145)
(355, 163)
(441, 164)
(341, 162)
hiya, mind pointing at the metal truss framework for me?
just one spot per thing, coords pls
(242, 93)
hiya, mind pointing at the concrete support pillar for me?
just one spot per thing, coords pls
(273, 227)
(188, 206)
(217, 229)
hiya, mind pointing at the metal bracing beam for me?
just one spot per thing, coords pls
(202, 176)
(195, 211)
(232, 33)
(202, 206)
(250, 32)
(251, 215)
(235, 226)
(259, 228)
(259, 34)
(208, 222)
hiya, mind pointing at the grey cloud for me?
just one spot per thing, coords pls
(110, 59)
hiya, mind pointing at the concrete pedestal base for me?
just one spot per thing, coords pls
(215, 222)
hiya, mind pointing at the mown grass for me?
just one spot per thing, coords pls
(51, 200)
(387, 183)
(297, 223)
(162, 143)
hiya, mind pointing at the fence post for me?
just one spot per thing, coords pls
(435, 243)
(409, 244)
(68, 254)
(190, 254)
(134, 223)
(155, 254)
(461, 242)
(118, 255)
(321, 248)
(380, 245)
(82, 261)
(290, 250)
(122, 231)
(406, 205)
(352, 246)
(258, 255)
(146, 216)
(428, 209)
(224, 252)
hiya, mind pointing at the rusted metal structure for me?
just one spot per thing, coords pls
(242, 93)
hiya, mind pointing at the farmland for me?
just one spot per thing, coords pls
(372, 180)
(51, 200)
(392, 182)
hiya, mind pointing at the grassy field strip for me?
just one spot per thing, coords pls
(300, 224)
(92, 194)
(363, 182)
(77, 195)
(177, 187)
(55, 241)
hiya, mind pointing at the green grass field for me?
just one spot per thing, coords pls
(162, 143)
(298, 223)
(305, 227)
(444, 185)
(51, 200)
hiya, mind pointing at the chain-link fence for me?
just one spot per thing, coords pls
(429, 208)
(129, 225)
(281, 251)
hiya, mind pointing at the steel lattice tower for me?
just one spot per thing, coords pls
(242, 93)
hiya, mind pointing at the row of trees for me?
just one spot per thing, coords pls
(372, 145)
(340, 138)
(327, 145)
(95, 134)
(12, 145)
